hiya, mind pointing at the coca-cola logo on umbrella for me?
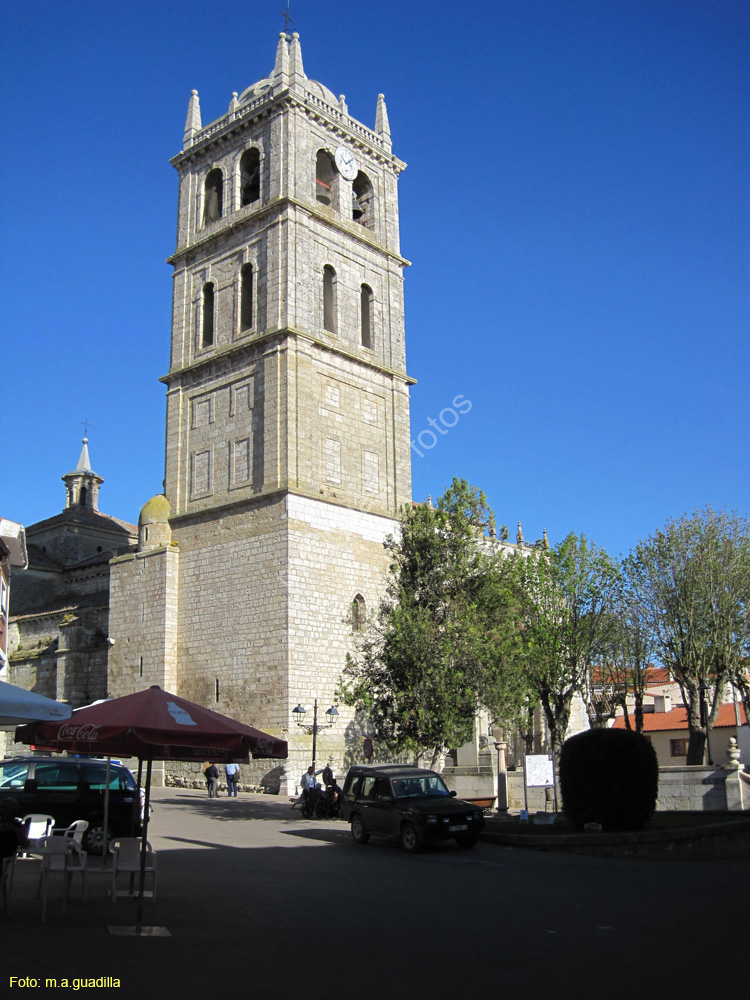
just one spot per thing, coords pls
(86, 731)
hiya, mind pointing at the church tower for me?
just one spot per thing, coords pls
(287, 442)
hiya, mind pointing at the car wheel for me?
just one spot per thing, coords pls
(359, 834)
(467, 840)
(410, 838)
(94, 839)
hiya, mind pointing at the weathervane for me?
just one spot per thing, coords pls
(287, 18)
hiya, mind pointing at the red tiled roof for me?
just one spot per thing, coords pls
(657, 675)
(677, 719)
(652, 674)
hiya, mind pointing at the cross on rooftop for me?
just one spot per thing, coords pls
(287, 18)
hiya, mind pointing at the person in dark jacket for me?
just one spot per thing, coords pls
(212, 780)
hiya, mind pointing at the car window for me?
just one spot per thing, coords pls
(61, 777)
(382, 791)
(423, 786)
(355, 786)
(13, 775)
(368, 787)
(95, 775)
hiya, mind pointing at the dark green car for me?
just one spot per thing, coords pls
(411, 803)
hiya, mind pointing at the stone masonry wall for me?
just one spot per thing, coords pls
(335, 554)
(143, 621)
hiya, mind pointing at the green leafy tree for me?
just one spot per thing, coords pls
(567, 596)
(694, 585)
(628, 668)
(438, 645)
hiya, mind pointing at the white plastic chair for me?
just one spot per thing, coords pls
(76, 831)
(61, 854)
(40, 825)
(126, 857)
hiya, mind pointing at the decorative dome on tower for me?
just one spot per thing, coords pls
(288, 66)
(153, 523)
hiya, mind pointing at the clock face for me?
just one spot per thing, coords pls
(346, 163)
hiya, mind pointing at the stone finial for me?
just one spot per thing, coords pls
(545, 540)
(233, 103)
(733, 752)
(281, 66)
(296, 70)
(342, 104)
(519, 535)
(193, 122)
(382, 126)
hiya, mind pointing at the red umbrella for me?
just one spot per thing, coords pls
(153, 725)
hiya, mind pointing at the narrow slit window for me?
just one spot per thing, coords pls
(207, 331)
(213, 197)
(246, 297)
(329, 299)
(358, 613)
(366, 315)
(249, 177)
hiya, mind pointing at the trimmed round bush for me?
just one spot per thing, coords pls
(609, 776)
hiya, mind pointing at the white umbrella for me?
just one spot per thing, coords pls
(18, 706)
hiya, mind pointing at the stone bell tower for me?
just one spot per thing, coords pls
(287, 444)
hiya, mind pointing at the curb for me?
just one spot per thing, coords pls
(716, 842)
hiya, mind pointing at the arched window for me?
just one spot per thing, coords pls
(359, 610)
(325, 175)
(249, 177)
(329, 299)
(82, 497)
(246, 297)
(362, 200)
(213, 197)
(207, 326)
(365, 310)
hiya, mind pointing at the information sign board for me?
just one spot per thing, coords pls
(540, 772)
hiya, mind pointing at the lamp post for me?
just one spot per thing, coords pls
(704, 719)
(299, 714)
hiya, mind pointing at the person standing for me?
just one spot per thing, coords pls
(309, 789)
(328, 777)
(232, 772)
(212, 778)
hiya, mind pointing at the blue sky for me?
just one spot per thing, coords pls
(575, 209)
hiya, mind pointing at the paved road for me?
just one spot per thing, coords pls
(257, 899)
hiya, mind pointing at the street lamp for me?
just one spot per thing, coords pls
(704, 707)
(299, 714)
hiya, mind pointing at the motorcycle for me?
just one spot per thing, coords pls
(322, 803)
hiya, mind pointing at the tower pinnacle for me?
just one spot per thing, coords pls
(193, 122)
(82, 484)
